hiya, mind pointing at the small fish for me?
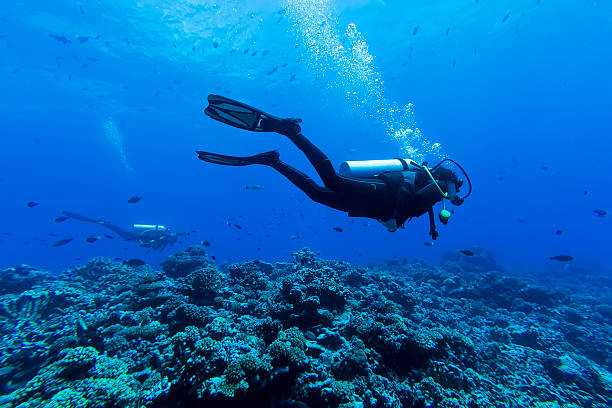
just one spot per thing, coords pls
(134, 199)
(60, 38)
(61, 242)
(32, 204)
(273, 70)
(109, 236)
(545, 168)
(428, 243)
(245, 52)
(83, 39)
(447, 31)
(254, 187)
(206, 243)
(601, 213)
(506, 17)
(467, 252)
(238, 226)
(338, 229)
(586, 192)
(292, 78)
(92, 239)
(61, 219)
(295, 237)
(415, 30)
(254, 53)
(134, 262)
(559, 232)
(215, 44)
(521, 221)
(214, 258)
(263, 54)
(562, 258)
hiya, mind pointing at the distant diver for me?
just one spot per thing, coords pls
(390, 191)
(148, 236)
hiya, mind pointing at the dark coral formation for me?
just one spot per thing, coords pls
(310, 333)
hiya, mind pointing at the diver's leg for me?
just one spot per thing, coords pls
(326, 171)
(80, 217)
(128, 235)
(319, 161)
(331, 197)
(316, 193)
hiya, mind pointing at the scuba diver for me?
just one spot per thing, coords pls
(389, 191)
(148, 236)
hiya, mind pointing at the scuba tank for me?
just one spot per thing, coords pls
(149, 227)
(369, 168)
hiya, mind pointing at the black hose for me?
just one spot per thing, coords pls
(462, 169)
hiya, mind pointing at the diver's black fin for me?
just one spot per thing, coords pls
(262, 158)
(246, 117)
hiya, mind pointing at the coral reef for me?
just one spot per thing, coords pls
(308, 333)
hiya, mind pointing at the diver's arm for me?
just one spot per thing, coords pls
(432, 225)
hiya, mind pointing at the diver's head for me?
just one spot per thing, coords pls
(451, 181)
(172, 238)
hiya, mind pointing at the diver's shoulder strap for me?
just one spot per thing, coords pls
(394, 180)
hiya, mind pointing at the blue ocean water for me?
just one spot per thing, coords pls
(101, 101)
(102, 111)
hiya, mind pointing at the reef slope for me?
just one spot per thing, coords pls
(310, 333)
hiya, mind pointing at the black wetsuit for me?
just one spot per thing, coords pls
(391, 197)
(379, 198)
(153, 238)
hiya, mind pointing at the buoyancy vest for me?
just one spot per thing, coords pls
(413, 193)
